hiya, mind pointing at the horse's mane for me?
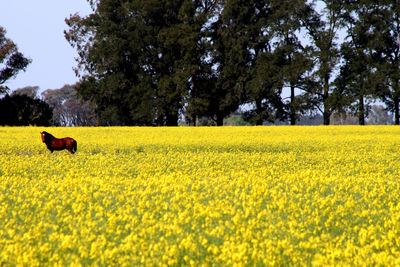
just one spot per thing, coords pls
(48, 136)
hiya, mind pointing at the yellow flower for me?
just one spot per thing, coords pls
(238, 196)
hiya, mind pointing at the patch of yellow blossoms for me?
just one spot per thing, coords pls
(250, 196)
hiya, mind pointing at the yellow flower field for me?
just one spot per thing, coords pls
(245, 196)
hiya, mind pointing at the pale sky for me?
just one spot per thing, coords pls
(37, 27)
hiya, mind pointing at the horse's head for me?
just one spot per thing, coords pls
(45, 136)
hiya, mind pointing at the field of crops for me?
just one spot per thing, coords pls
(249, 196)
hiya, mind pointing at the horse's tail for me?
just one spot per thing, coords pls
(74, 146)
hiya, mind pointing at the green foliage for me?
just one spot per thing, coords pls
(323, 28)
(144, 55)
(11, 60)
(151, 62)
(238, 41)
(22, 110)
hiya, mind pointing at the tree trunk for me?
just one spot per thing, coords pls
(397, 81)
(194, 119)
(259, 120)
(327, 117)
(396, 111)
(361, 113)
(220, 119)
(159, 120)
(172, 120)
(396, 101)
(194, 95)
(292, 111)
(327, 109)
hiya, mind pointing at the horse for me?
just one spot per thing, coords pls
(53, 143)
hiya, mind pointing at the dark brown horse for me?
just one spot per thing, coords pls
(53, 143)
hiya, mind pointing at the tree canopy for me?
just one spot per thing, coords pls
(68, 108)
(11, 60)
(155, 62)
(21, 109)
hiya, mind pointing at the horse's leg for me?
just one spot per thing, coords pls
(71, 146)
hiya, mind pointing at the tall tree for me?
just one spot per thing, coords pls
(242, 57)
(359, 79)
(385, 47)
(258, 78)
(182, 67)
(11, 60)
(264, 90)
(322, 25)
(110, 48)
(295, 57)
(137, 58)
(196, 72)
(354, 82)
(230, 55)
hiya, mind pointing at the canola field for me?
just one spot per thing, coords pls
(212, 196)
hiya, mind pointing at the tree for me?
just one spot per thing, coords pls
(30, 91)
(108, 61)
(11, 61)
(264, 90)
(68, 108)
(357, 80)
(23, 107)
(195, 72)
(24, 110)
(385, 48)
(246, 66)
(230, 36)
(183, 70)
(244, 62)
(361, 77)
(322, 27)
(295, 59)
(137, 58)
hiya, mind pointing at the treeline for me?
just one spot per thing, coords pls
(63, 107)
(53, 107)
(154, 62)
